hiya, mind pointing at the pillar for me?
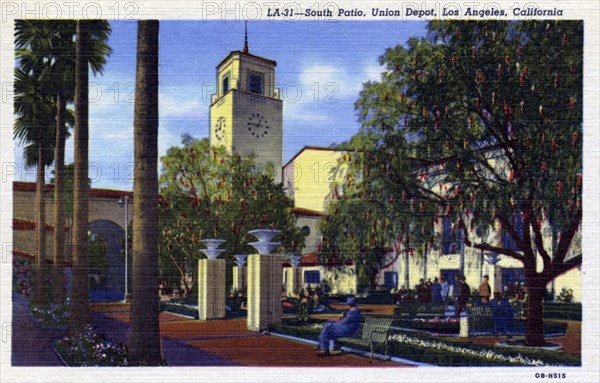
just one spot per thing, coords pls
(294, 280)
(211, 289)
(264, 291)
(240, 275)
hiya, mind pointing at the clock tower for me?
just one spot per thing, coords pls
(246, 113)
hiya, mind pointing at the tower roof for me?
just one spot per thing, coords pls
(246, 51)
(242, 53)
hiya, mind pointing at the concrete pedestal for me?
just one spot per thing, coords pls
(294, 280)
(264, 291)
(211, 288)
(240, 277)
(464, 325)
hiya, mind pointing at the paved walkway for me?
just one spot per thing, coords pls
(31, 344)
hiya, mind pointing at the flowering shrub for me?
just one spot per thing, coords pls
(437, 320)
(91, 349)
(304, 304)
(485, 354)
(53, 315)
(22, 269)
(566, 295)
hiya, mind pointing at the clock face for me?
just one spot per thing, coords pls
(220, 129)
(257, 125)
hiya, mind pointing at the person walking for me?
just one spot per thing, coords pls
(445, 288)
(436, 291)
(347, 326)
(485, 290)
(463, 295)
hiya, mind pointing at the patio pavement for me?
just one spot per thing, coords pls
(188, 342)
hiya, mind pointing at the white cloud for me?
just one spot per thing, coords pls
(171, 106)
(372, 72)
(304, 112)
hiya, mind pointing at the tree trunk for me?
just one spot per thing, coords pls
(80, 291)
(535, 316)
(144, 336)
(58, 279)
(40, 291)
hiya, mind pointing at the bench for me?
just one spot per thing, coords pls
(494, 319)
(373, 331)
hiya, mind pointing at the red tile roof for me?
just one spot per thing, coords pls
(98, 193)
(17, 253)
(23, 224)
(312, 259)
(307, 212)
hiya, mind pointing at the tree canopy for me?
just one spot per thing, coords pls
(207, 193)
(480, 122)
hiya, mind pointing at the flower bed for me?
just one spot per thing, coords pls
(446, 354)
(22, 271)
(443, 351)
(439, 325)
(91, 349)
(51, 316)
(548, 357)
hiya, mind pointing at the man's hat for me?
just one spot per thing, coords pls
(351, 301)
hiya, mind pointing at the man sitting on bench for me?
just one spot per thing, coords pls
(347, 326)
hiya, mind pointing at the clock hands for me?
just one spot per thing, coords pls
(257, 124)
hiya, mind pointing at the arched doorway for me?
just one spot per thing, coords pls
(107, 271)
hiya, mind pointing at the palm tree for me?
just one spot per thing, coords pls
(90, 38)
(34, 127)
(50, 43)
(144, 336)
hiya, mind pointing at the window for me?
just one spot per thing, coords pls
(225, 84)
(390, 279)
(507, 240)
(312, 276)
(305, 230)
(452, 243)
(255, 82)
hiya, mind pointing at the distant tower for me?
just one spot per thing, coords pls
(246, 113)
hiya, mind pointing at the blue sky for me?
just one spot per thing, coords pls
(320, 69)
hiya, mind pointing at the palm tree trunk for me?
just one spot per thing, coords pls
(40, 292)
(80, 292)
(58, 279)
(144, 337)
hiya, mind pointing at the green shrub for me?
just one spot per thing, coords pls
(566, 295)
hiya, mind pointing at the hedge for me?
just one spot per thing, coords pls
(565, 311)
(437, 357)
(454, 328)
(178, 309)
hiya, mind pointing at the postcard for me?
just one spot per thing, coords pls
(299, 191)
